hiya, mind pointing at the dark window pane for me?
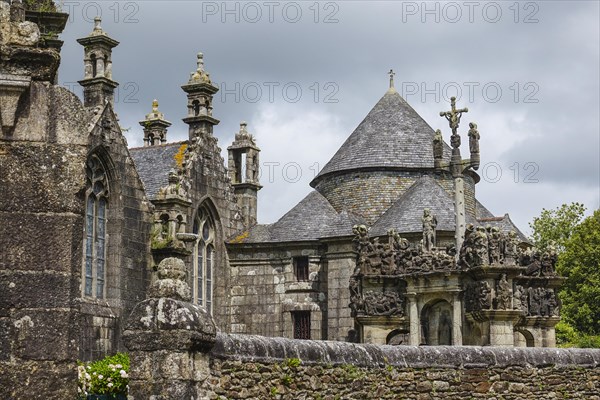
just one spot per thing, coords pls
(301, 268)
(205, 231)
(301, 321)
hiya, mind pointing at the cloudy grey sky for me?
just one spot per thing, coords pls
(304, 74)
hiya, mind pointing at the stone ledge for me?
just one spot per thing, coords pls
(251, 348)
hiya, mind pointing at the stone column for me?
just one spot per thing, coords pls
(459, 210)
(456, 320)
(415, 324)
(168, 339)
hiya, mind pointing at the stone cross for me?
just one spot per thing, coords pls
(453, 116)
(391, 73)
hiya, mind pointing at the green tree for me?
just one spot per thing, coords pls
(579, 263)
(556, 225)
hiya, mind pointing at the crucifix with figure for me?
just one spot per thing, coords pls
(457, 166)
(453, 116)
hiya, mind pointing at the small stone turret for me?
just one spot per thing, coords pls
(155, 127)
(200, 92)
(98, 85)
(243, 170)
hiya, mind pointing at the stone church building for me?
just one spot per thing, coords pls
(391, 246)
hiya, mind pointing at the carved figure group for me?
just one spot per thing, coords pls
(541, 302)
(381, 304)
(487, 245)
(396, 257)
(478, 296)
(539, 263)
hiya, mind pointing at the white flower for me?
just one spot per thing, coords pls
(109, 379)
(100, 376)
(110, 384)
(123, 373)
(87, 376)
(94, 373)
(119, 366)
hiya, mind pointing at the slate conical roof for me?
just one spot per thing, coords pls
(392, 136)
(406, 213)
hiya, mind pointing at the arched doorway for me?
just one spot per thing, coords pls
(436, 323)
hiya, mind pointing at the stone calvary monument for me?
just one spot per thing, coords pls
(157, 250)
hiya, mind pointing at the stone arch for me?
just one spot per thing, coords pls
(524, 338)
(397, 337)
(436, 323)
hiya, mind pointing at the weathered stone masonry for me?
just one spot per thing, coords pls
(177, 354)
(254, 367)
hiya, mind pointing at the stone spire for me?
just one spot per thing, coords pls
(243, 168)
(200, 91)
(98, 85)
(155, 127)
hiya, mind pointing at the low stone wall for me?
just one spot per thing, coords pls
(177, 354)
(254, 367)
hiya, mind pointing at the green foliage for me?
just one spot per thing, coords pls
(556, 226)
(107, 376)
(293, 362)
(286, 380)
(579, 263)
(41, 5)
(274, 391)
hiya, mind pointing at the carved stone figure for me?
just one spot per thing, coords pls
(429, 225)
(355, 297)
(509, 248)
(466, 256)
(494, 239)
(473, 138)
(503, 294)
(173, 189)
(480, 245)
(535, 301)
(548, 261)
(438, 145)
(518, 298)
(455, 141)
(531, 260)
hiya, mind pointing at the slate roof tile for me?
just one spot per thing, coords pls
(153, 164)
(392, 135)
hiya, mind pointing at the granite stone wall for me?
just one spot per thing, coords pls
(252, 367)
(263, 290)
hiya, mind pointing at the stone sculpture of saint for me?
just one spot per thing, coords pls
(438, 145)
(504, 294)
(429, 225)
(473, 138)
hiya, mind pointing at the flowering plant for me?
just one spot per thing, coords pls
(107, 376)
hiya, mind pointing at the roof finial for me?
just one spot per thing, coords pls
(200, 62)
(392, 73)
(97, 22)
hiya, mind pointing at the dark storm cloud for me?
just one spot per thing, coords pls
(529, 75)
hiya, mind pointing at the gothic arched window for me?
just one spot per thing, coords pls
(204, 260)
(94, 269)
